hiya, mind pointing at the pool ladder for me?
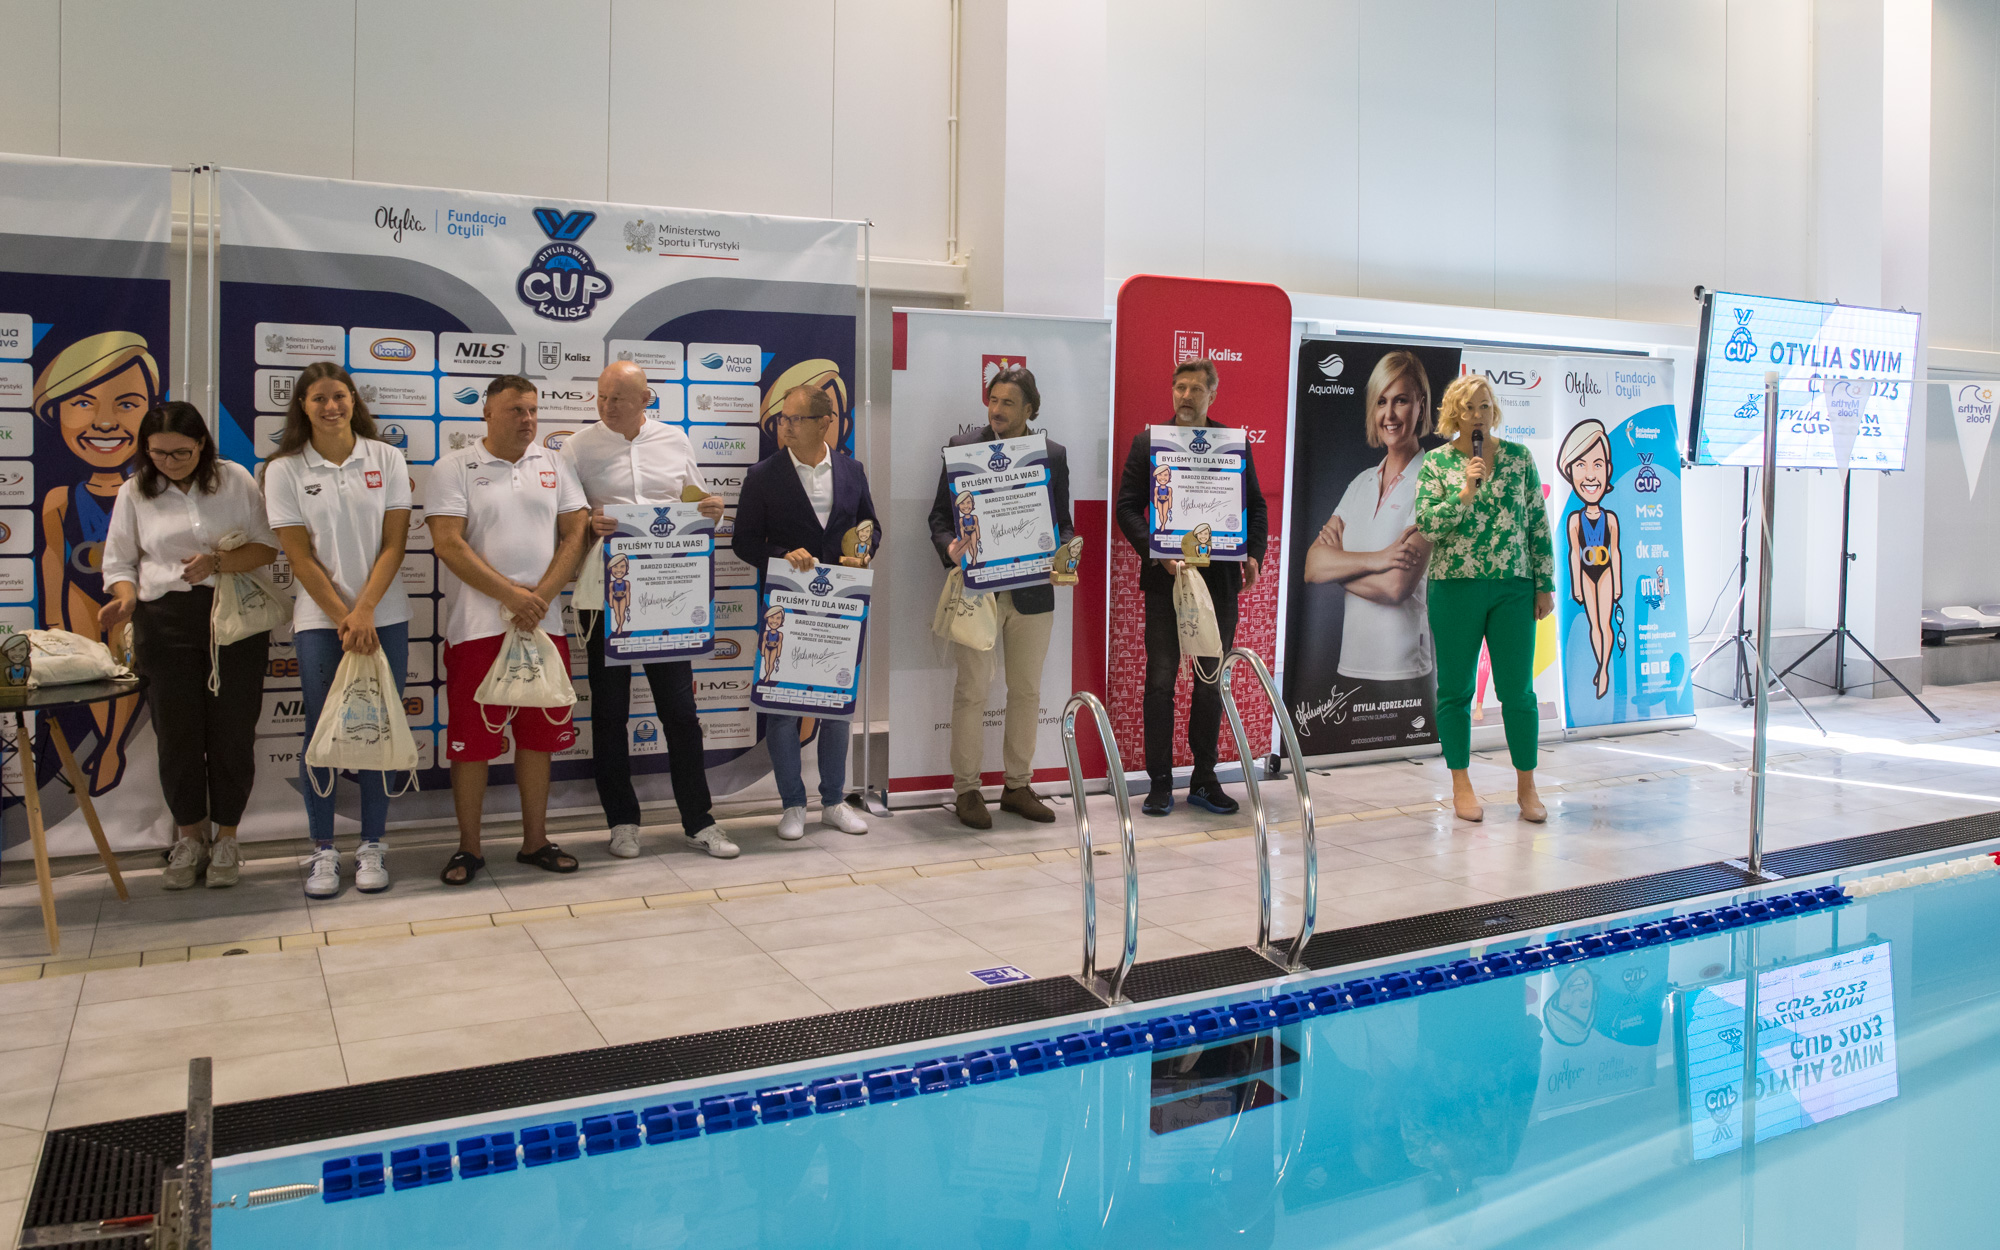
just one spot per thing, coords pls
(1290, 959)
(1108, 988)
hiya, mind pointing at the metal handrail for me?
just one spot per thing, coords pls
(1293, 959)
(1111, 989)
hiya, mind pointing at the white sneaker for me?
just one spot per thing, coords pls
(323, 873)
(625, 841)
(717, 843)
(185, 861)
(225, 863)
(792, 825)
(371, 868)
(843, 817)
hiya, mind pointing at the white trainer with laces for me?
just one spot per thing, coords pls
(371, 868)
(792, 825)
(323, 873)
(185, 862)
(717, 843)
(225, 863)
(843, 817)
(625, 841)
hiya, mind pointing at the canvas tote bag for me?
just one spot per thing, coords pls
(1194, 614)
(528, 672)
(363, 725)
(246, 604)
(968, 620)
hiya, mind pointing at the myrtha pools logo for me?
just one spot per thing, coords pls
(561, 283)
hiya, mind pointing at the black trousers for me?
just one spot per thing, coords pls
(207, 742)
(611, 706)
(1163, 659)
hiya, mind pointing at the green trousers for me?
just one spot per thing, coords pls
(1500, 611)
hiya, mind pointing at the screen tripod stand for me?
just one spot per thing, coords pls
(1743, 683)
(1840, 635)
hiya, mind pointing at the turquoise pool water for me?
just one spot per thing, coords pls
(1594, 1102)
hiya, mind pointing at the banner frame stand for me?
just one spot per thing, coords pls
(869, 798)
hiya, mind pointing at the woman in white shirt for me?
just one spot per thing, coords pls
(339, 499)
(1371, 545)
(161, 557)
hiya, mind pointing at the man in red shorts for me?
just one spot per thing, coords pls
(510, 522)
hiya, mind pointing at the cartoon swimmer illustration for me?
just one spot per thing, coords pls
(95, 392)
(772, 645)
(618, 592)
(968, 529)
(1163, 497)
(1593, 540)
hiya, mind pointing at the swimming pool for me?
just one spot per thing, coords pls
(1578, 1088)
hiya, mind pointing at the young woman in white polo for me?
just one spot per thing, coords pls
(339, 499)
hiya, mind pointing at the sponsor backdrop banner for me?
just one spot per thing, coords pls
(425, 295)
(1622, 620)
(1246, 328)
(84, 353)
(1360, 672)
(942, 363)
(1972, 410)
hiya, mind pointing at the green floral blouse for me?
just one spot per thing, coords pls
(1502, 533)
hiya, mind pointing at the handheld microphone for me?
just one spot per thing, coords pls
(1478, 444)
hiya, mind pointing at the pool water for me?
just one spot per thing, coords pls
(1595, 1102)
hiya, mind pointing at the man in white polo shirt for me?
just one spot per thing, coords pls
(509, 523)
(628, 459)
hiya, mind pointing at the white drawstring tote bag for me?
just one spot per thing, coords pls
(363, 725)
(528, 672)
(246, 604)
(1194, 613)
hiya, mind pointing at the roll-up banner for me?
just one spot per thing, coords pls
(1622, 619)
(943, 361)
(1245, 328)
(426, 295)
(84, 353)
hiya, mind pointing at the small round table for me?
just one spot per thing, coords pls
(20, 700)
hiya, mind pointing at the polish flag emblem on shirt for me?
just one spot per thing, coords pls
(373, 479)
(548, 479)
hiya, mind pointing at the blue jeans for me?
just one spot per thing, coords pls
(319, 657)
(781, 734)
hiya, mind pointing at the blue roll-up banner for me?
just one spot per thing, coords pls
(1623, 633)
(85, 351)
(426, 295)
(809, 640)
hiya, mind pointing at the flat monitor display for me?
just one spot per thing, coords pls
(1825, 1041)
(1845, 377)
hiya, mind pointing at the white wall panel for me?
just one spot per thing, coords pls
(1426, 151)
(266, 84)
(1768, 174)
(490, 95)
(1281, 138)
(1556, 157)
(30, 89)
(1965, 95)
(891, 96)
(724, 104)
(1155, 161)
(1671, 81)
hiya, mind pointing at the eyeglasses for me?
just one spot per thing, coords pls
(796, 418)
(182, 456)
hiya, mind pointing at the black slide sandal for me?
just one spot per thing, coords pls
(461, 859)
(551, 858)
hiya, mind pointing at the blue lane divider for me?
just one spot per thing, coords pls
(430, 1163)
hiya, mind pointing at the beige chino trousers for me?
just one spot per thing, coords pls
(1024, 643)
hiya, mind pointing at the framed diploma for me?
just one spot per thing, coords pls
(1000, 497)
(659, 584)
(1198, 483)
(810, 629)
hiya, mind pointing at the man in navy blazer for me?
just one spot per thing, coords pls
(797, 505)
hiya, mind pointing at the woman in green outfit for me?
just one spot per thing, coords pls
(1492, 576)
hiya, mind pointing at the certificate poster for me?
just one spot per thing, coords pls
(1825, 1042)
(659, 582)
(1198, 477)
(1001, 494)
(809, 636)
